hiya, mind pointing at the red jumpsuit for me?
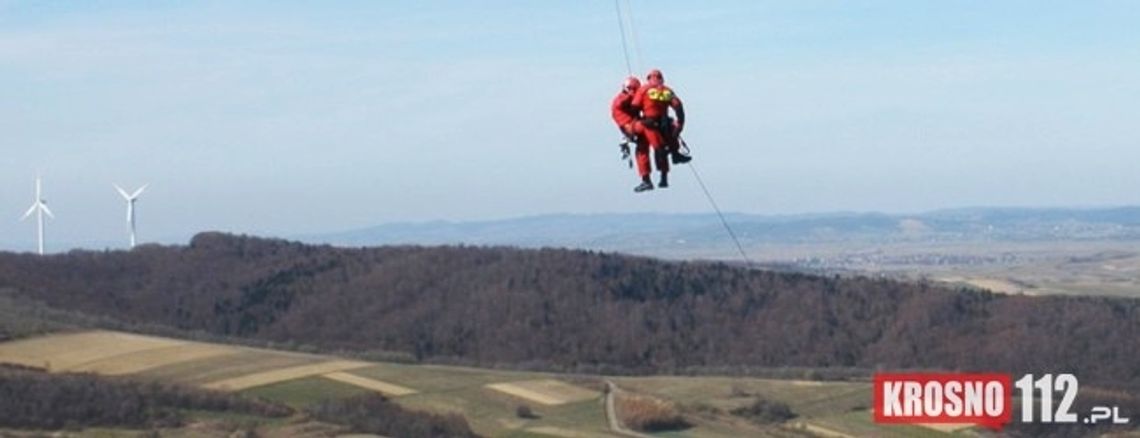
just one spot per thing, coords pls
(654, 101)
(628, 120)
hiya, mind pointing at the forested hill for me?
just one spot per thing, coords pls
(568, 310)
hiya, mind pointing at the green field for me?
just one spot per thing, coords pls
(706, 401)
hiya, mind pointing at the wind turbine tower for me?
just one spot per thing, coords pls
(131, 198)
(39, 207)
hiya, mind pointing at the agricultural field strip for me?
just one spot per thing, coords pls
(525, 393)
(115, 353)
(860, 423)
(137, 362)
(568, 392)
(547, 391)
(241, 363)
(804, 393)
(366, 383)
(438, 380)
(565, 433)
(65, 352)
(824, 432)
(814, 402)
(283, 374)
(237, 365)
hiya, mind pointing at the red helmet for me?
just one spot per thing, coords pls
(655, 77)
(630, 84)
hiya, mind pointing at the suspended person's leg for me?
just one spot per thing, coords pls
(661, 156)
(642, 155)
(673, 139)
(676, 154)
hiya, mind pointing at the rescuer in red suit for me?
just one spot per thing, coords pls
(654, 100)
(628, 120)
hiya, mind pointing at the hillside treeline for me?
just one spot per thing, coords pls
(578, 310)
(34, 399)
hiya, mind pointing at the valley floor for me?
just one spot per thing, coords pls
(563, 405)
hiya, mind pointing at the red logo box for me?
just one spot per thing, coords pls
(907, 398)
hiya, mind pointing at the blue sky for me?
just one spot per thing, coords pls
(297, 117)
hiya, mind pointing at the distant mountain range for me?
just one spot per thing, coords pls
(684, 235)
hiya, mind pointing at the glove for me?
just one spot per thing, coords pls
(624, 150)
(678, 127)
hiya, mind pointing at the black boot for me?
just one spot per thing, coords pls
(664, 182)
(679, 158)
(645, 185)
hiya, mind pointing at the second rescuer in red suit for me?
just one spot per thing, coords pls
(654, 100)
(628, 119)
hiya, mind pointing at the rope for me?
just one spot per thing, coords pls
(624, 45)
(739, 247)
(633, 34)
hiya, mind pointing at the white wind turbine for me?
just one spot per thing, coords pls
(131, 198)
(39, 207)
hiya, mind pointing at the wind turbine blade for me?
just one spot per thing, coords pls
(139, 191)
(47, 210)
(30, 211)
(122, 192)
